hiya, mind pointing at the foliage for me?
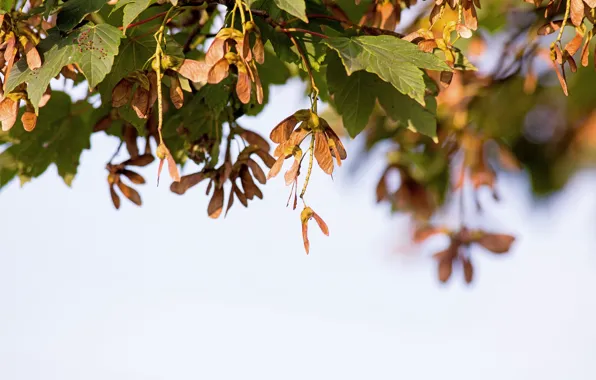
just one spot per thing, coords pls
(169, 72)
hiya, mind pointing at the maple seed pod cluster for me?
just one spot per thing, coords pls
(19, 39)
(458, 249)
(232, 47)
(144, 96)
(306, 215)
(116, 174)
(292, 131)
(242, 174)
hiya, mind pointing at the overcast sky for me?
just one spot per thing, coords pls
(163, 292)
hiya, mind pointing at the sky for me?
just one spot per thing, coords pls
(164, 292)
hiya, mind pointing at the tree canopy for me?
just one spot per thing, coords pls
(461, 92)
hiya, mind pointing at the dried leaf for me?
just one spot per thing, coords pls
(230, 203)
(45, 98)
(152, 78)
(339, 146)
(216, 204)
(549, 27)
(250, 188)
(560, 70)
(423, 233)
(292, 174)
(130, 136)
(575, 43)
(217, 50)
(305, 236)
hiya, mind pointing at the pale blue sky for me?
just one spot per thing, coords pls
(163, 292)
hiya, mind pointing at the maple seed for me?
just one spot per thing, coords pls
(307, 214)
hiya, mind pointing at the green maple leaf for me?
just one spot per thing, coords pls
(74, 11)
(62, 133)
(92, 47)
(355, 97)
(132, 10)
(394, 60)
(294, 7)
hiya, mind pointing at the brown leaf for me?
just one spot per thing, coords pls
(243, 87)
(142, 160)
(186, 182)
(29, 118)
(577, 12)
(130, 193)
(257, 172)
(133, 176)
(219, 71)
(176, 94)
(121, 93)
(115, 197)
(508, 160)
(322, 153)
(216, 204)
(9, 110)
(496, 243)
(32, 56)
(468, 270)
(140, 102)
(195, 71)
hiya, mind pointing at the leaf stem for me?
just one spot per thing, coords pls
(300, 30)
(162, 14)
